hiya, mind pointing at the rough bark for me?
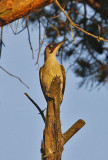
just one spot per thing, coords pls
(52, 145)
(11, 10)
(53, 139)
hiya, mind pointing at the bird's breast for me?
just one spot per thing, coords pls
(49, 72)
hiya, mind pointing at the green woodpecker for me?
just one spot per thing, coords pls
(51, 69)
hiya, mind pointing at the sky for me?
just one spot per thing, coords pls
(21, 126)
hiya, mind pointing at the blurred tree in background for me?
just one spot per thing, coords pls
(88, 57)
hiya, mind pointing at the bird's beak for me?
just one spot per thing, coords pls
(62, 42)
(58, 45)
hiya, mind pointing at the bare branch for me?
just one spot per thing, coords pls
(72, 130)
(40, 47)
(1, 42)
(99, 33)
(39, 42)
(63, 6)
(55, 29)
(15, 32)
(14, 76)
(77, 26)
(17, 25)
(41, 112)
(29, 39)
(72, 33)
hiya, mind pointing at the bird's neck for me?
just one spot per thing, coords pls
(51, 60)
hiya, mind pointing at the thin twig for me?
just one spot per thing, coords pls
(1, 33)
(99, 33)
(40, 111)
(77, 12)
(1, 40)
(54, 17)
(29, 39)
(40, 48)
(15, 33)
(14, 76)
(72, 33)
(39, 34)
(76, 26)
(39, 43)
(63, 6)
(17, 25)
(56, 30)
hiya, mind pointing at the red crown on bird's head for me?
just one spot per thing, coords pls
(52, 46)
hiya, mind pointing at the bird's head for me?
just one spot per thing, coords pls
(52, 49)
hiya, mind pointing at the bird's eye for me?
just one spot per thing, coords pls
(51, 45)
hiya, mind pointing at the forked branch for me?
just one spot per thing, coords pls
(53, 139)
(77, 26)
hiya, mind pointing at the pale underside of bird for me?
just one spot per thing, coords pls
(52, 69)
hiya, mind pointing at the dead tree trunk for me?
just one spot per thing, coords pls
(53, 139)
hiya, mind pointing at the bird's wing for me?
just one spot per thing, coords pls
(40, 75)
(64, 78)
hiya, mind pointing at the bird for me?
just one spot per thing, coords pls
(52, 69)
